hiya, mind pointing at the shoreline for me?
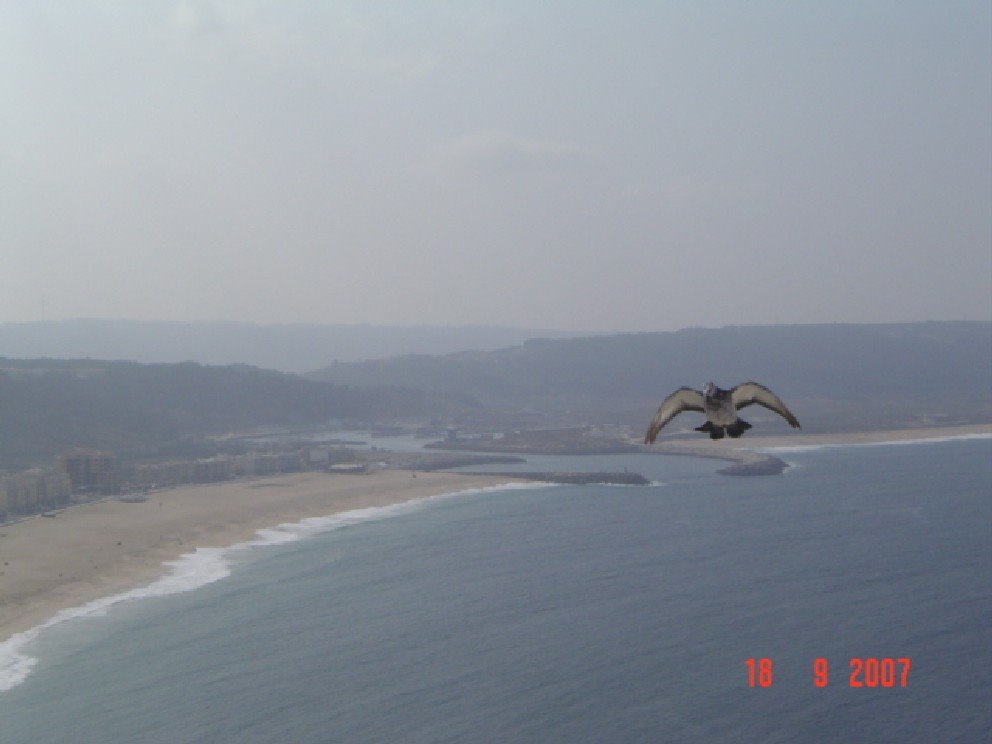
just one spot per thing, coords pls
(756, 455)
(107, 548)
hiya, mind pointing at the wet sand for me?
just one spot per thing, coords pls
(96, 550)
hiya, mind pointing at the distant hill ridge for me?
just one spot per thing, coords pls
(50, 405)
(287, 347)
(835, 377)
(939, 368)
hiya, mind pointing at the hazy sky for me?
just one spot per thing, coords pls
(596, 166)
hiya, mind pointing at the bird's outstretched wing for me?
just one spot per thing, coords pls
(749, 393)
(683, 399)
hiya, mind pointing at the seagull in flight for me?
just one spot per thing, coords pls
(720, 407)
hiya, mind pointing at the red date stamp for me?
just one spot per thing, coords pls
(862, 672)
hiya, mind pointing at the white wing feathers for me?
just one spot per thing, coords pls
(751, 392)
(683, 399)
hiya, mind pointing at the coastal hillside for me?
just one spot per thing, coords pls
(835, 377)
(48, 406)
(841, 376)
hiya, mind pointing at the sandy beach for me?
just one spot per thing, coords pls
(100, 549)
(865, 437)
(748, 449)
(96, 550)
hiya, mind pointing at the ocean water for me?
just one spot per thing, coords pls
(560, 614)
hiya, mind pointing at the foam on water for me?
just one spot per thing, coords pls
(793, 466)
(206, 565)
(892, 443)
(649, 484)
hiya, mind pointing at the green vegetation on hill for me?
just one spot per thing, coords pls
(843, 376)
(48, 406)
(835, 377)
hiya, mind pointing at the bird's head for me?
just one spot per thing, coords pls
(709, 389)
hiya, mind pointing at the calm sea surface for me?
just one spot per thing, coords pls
(567, 614)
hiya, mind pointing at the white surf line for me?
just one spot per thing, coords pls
(885, 443)
(205, 565)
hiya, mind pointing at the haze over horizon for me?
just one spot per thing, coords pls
(607, 168)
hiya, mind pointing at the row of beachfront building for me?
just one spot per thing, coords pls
(82, 475)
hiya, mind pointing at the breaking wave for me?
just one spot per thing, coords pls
(206, 565)
(890, 443)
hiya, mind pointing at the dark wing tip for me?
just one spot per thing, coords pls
(765, 397)
(671, 407)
